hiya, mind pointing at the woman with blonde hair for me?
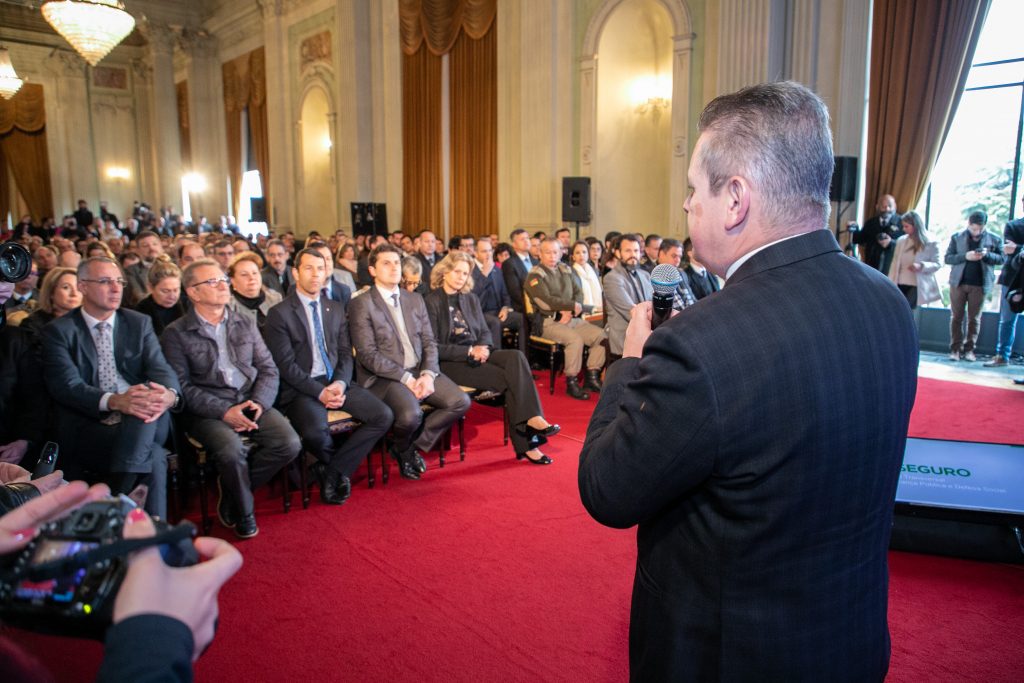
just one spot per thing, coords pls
(466, 355)
(249, 296)
(914, 262)
(58, 296)
(163, 304)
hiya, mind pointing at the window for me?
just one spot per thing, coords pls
(979, 166)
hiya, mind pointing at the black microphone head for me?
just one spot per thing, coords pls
(665, 278)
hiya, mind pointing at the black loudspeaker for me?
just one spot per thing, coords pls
(575, 200)
(844, 180)
(257, 209)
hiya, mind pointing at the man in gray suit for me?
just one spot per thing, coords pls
(625, 285)
(149, 247)
(112, 386)
(396, 359)
(761, 474)
(974, 253)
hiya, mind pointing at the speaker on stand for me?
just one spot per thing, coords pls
(843, 190)
(576, 201)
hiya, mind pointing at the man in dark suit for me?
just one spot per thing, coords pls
(112, 387)
(308, 337)
(763, 490)
(489, 287)
(699, 279)
(1013, 240)
(517, 267)
(625, 285)
(428, 256)
(276, 274)
(396, 356)
(333, 288)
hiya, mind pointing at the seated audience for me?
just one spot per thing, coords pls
(915, 261)
(652, 245)
(229, 381)
(396, 355)
(467, 355)
(516, 268)
(412, 273)
(489, 288)
(277, 275)
(586, 277)
(127, 259)
(25, 296)
(249, 296)
(163, 305)
(189, 251)
(702, 282)
(559, 302)
(223, 251)
(502, 252)
(596, 253)
(24, 403)
(345, 260)
(625, 285)
(333, 289)
(308, 337)
(149, 247)
(99, 249)
(46, 258)
(428, 256)
(111, 387)
(58, 296)
(671, 253)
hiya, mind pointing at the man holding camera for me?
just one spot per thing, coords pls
(229, 381)
(974, 253)
(877, 239)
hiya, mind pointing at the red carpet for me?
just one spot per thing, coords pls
(491, 570)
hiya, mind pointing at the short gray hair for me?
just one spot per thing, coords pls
(776, 135)
(188, 275)
(84, 269)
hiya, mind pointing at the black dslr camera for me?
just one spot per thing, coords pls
(65, 581)
(15, 262)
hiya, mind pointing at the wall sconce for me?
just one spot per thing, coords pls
(193, 182)
(118, 173)
(651, 93)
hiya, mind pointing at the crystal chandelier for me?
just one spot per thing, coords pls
(93, 27)
(9, 81)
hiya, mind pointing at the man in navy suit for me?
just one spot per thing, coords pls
(333, 288)
(517, 267)
(112, 386)
(761, 475)
(308, 337)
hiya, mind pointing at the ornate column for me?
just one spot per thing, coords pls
(206, 119)
(282, 151)
(146, 176)
(682, 47)
(803, 42)
(166, 144)
(69, 133)
(751, 42)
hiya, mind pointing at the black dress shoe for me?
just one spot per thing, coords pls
(421, 464)
(550, 430)
(335, 489)
(225, 509)
(542, 460)
(572, 387)
(593, 381)
(406, 465)
(246, 527)
(1019, 381)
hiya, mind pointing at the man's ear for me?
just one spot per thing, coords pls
(737, 191)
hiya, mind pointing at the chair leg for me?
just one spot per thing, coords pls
(204, 511)
(462, 438)
(551, 364)
(370, 477)
(287, 492)
(385, 466)
(443, 445)
(304, 480)
(174, 484)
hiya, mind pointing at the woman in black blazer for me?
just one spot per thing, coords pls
(464, 351)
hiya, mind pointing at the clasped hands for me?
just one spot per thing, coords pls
(238, 419)
(565, 316)
(421, 386)
(332, 396)
(145, 401)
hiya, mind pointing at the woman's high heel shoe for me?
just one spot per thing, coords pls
(542, 460)
(550, 430)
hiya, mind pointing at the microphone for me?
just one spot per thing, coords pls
(664, 279)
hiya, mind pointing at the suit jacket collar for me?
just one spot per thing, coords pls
(404, 300)
(808, 245)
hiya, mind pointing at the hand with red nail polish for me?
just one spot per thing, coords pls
(20, 525)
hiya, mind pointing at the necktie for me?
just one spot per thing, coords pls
(105, 357)
(325, 293)
(394, 298)
(637, 289)
(318, 330)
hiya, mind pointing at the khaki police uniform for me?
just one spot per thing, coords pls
(554, 291)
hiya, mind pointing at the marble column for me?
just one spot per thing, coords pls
(165, 140)
(206, 119)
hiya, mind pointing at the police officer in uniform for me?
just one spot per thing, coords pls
(558, 302)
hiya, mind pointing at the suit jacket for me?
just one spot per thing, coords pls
(288, 338)
(137, 276)
(701, 286)
(193, 355)
(927, 284)
(375, 337)
(1014, 232)
(514, 271)
(71, 368)
(956, 256)
(339, 291)
(441, 324)
(492, 288)
(619, 299)
(424, 287)
(762, 476)
(271, 280)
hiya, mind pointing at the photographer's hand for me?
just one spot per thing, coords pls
(20, 525)
(14, 452)
(188, 594)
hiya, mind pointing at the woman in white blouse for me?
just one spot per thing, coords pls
(914, 262)
(590, 283)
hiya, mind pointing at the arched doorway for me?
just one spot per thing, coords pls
(317, 188)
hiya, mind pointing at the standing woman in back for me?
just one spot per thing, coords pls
(914, 263)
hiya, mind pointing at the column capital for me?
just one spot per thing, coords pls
(160, 36)
(65, 64)
(198, 43)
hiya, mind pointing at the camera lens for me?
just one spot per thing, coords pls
(15, 262)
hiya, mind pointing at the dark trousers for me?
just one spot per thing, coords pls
(309, 417)
(910, 292)
(973, 298)
(123, 455)
(506, 371)
(275, 445)
(513, 321)
(410, 427)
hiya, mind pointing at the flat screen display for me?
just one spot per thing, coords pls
(982, 477)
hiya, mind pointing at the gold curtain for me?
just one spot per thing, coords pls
(920, 59)
(181, 92)
(245, 89)
(421, 142)
(474, 135)
(23, 137)
(430, 29)
(438, 22)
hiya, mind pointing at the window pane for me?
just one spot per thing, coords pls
(996, 74)
(1000, 37)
